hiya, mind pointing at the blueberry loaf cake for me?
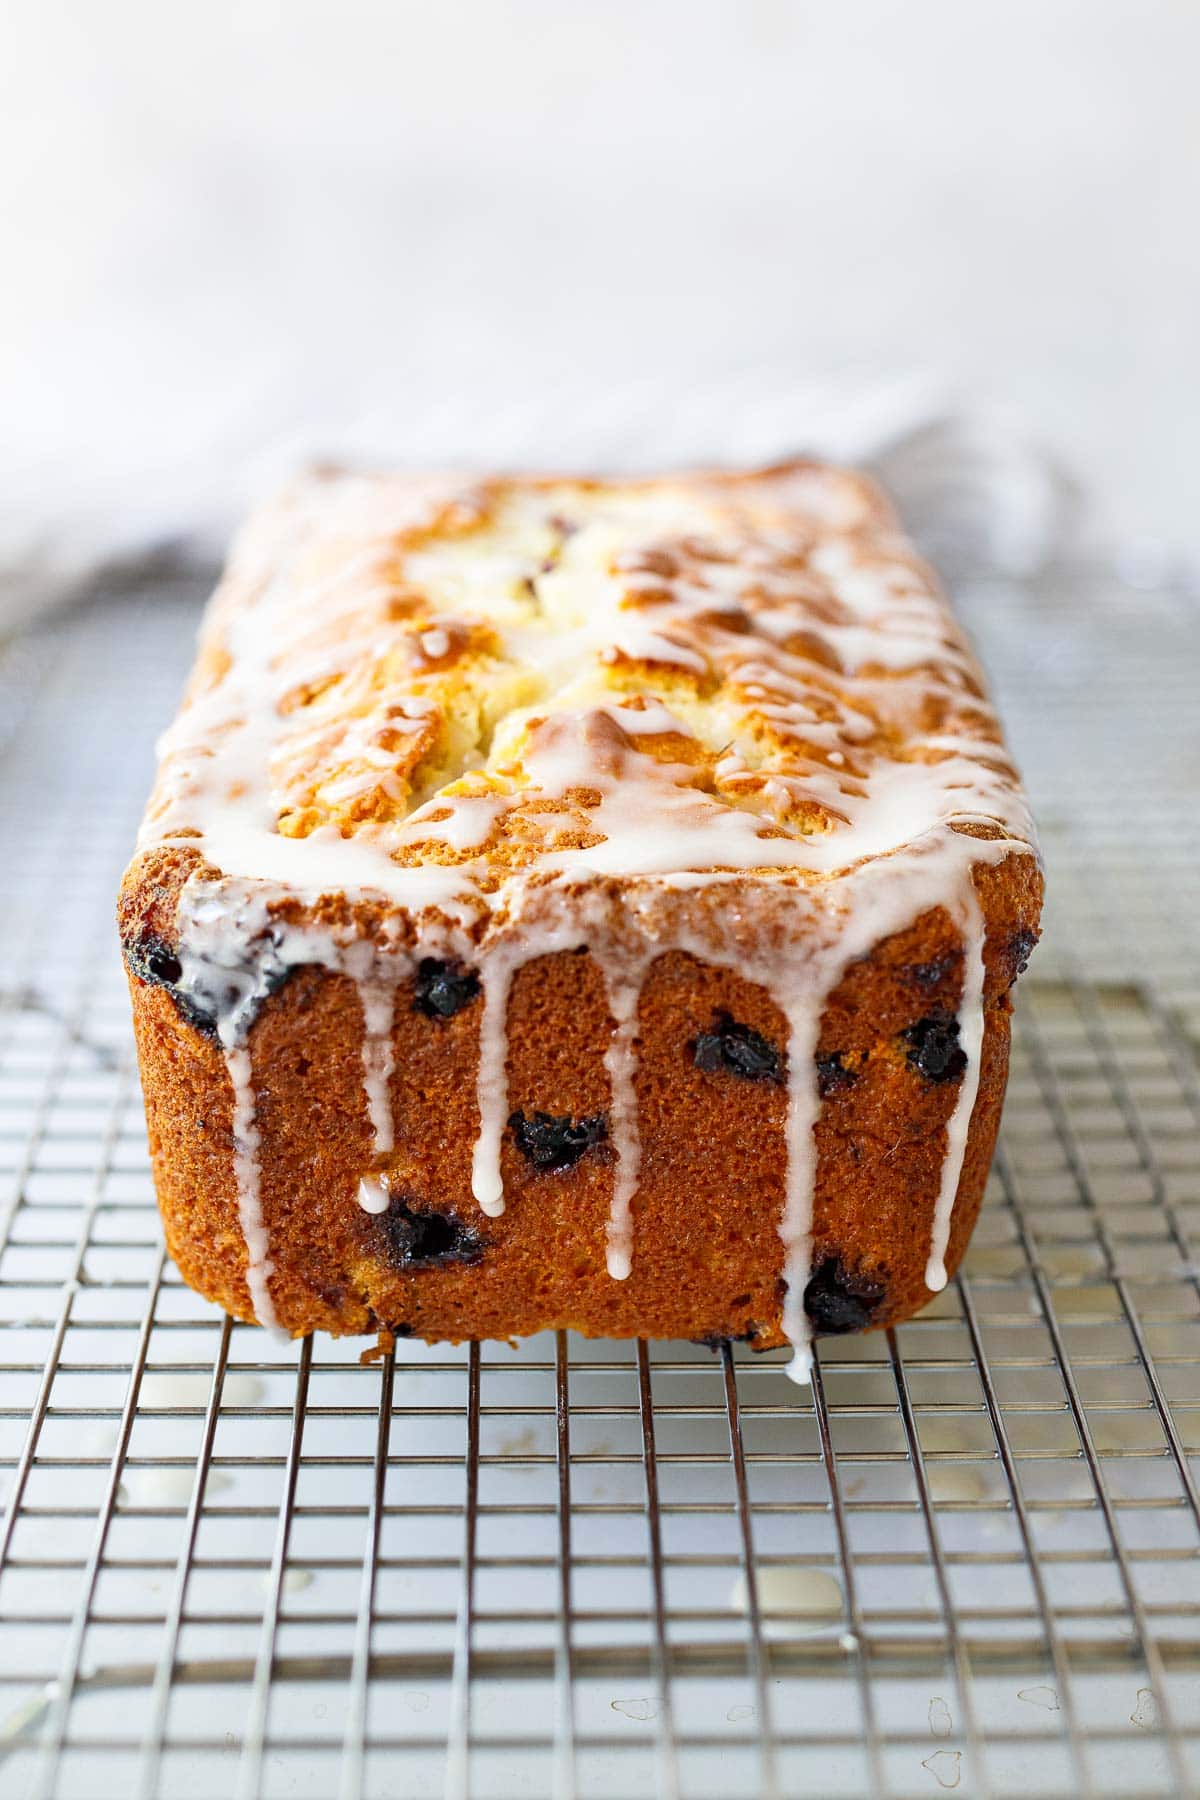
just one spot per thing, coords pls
(578, 903)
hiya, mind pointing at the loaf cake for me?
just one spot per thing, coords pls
(578, 903)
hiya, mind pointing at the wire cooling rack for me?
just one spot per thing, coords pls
(967, 1559)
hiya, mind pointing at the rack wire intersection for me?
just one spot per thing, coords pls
(968, 1558)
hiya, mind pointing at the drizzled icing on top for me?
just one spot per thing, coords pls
(730, 715)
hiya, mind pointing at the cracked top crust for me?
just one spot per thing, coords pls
(419, 687)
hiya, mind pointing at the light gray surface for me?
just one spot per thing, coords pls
(1004, 1494)
(488, 231)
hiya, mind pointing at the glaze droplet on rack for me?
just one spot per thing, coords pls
(511, 718)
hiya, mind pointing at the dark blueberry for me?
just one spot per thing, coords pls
(929, 974)
(833, 1075)
(733, 1049)
(1020, 949)
(443, 989)
(153, 961)
(426, 1240)
(163, 965)
(835, 1300)
(933, 1048)
(551, 1144)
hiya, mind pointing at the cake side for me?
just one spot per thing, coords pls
(709, 1260)
(661, 991)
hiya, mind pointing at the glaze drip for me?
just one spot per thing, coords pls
(247, 1148)
(970, 1037)
(620, 1061)
(379, 1009)
(487, 1183)
(795, 1227)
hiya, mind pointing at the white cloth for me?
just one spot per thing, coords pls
(973, 490)
(631, 234)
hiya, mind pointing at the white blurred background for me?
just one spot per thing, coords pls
(236, 234)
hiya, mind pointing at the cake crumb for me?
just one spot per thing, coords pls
(385, 1343)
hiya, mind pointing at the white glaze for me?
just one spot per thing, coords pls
(373, 1195)
(970, 1040)
(247, 1145)
(435, 642)
(378, 1004)
(487, 1183)
(620, 1061)
(803, 1013)
(307, 611)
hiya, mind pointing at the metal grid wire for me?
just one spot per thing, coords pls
(967, 1559)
